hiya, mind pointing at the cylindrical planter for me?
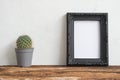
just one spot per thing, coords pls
(24, 57)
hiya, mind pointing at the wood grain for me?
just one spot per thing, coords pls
(59, 73)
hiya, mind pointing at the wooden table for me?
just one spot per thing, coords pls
(59, 73)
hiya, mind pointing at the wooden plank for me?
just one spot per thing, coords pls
(59, 73)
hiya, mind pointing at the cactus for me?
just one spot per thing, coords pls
(24, 41)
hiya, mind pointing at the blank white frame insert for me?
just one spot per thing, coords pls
(87, 39)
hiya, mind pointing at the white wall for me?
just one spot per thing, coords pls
(45, 22)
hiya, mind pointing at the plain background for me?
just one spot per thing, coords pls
(86, 39)
(45, 22)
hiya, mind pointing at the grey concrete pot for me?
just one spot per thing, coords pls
(24, 57)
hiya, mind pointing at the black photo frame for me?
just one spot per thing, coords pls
(102, 21)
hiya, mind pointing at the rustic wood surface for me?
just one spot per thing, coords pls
(59, 73)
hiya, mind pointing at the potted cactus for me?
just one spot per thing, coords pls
(24, 51)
